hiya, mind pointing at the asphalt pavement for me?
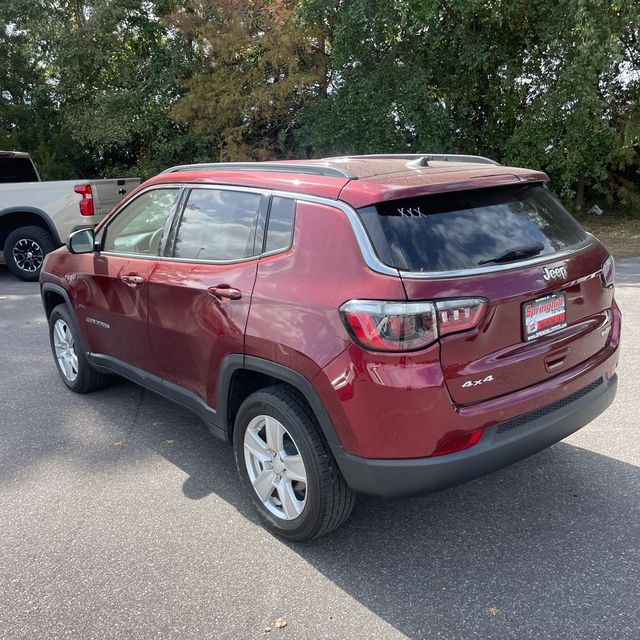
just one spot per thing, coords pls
(120, 517)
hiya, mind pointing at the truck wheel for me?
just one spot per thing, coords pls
(25, 249)
(287, 467)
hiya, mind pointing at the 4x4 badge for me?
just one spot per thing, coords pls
(475, 383)
(554, 274)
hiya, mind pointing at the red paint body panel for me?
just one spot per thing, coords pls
(101, 296)
(191, 331)
(362, 193)
(294, 318)
(496, 346)
(394, 406)
(399, 406)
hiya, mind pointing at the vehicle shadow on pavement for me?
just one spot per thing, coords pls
(545, 548)
(540, 549)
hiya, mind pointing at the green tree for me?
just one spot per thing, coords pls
(580, 121)
(379, 95)
(99, 87)
(101, 78)
(545, 84)
(256, 66)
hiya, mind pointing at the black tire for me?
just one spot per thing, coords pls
(37, 241)
(87, 378)
(329, 500)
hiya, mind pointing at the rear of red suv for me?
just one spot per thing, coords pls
(507, 341)
(388, 325)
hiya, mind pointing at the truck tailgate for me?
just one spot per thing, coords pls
(107, 193)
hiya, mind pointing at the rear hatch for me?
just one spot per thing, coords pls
(547, 308)
(107, 193)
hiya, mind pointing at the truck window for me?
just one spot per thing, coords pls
(17, 170)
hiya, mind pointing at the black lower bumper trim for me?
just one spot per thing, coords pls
(497, 448)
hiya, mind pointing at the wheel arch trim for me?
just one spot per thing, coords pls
(50, 287)
(235, 362)
(38, 212)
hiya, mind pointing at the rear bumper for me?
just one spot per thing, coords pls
(500, 445)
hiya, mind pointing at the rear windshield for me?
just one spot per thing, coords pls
(17, 170)
(467, 229)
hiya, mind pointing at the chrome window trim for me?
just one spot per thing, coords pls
(189, 186)
(366, 247)
(142, 256)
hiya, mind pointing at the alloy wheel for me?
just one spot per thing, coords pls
(275, 467)
(28, 255)
(65, 350)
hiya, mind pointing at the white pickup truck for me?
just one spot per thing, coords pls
(36, 217)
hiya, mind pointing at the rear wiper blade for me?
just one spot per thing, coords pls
(525, 251)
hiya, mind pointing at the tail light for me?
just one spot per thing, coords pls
(608, 273)
(407, 326)
(391, 326)
(86, 204)
(459, 315)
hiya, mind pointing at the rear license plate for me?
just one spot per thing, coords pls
(543, 316)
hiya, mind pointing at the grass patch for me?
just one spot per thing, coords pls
(619, 233)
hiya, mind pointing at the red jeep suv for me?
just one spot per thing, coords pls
(390, 325)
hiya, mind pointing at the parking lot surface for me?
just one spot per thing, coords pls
(120, 517)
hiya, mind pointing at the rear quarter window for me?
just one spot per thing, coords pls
(280, 225)
(467, 229)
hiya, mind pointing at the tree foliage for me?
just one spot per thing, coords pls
(92, 85)
(131, 86)
(256, 67)
(545, 84)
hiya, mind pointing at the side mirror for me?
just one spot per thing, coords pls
(82, 241)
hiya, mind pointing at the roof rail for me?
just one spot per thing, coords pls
(273, 167)
(426, 157)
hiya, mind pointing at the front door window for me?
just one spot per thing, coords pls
(139, 228)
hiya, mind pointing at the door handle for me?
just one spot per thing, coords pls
(132, 280)
(225, 291)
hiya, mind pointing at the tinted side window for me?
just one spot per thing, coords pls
(17, 170)
(139, 227)
(217, 225)
(6, 170)
(280, 228)
(24, 170)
